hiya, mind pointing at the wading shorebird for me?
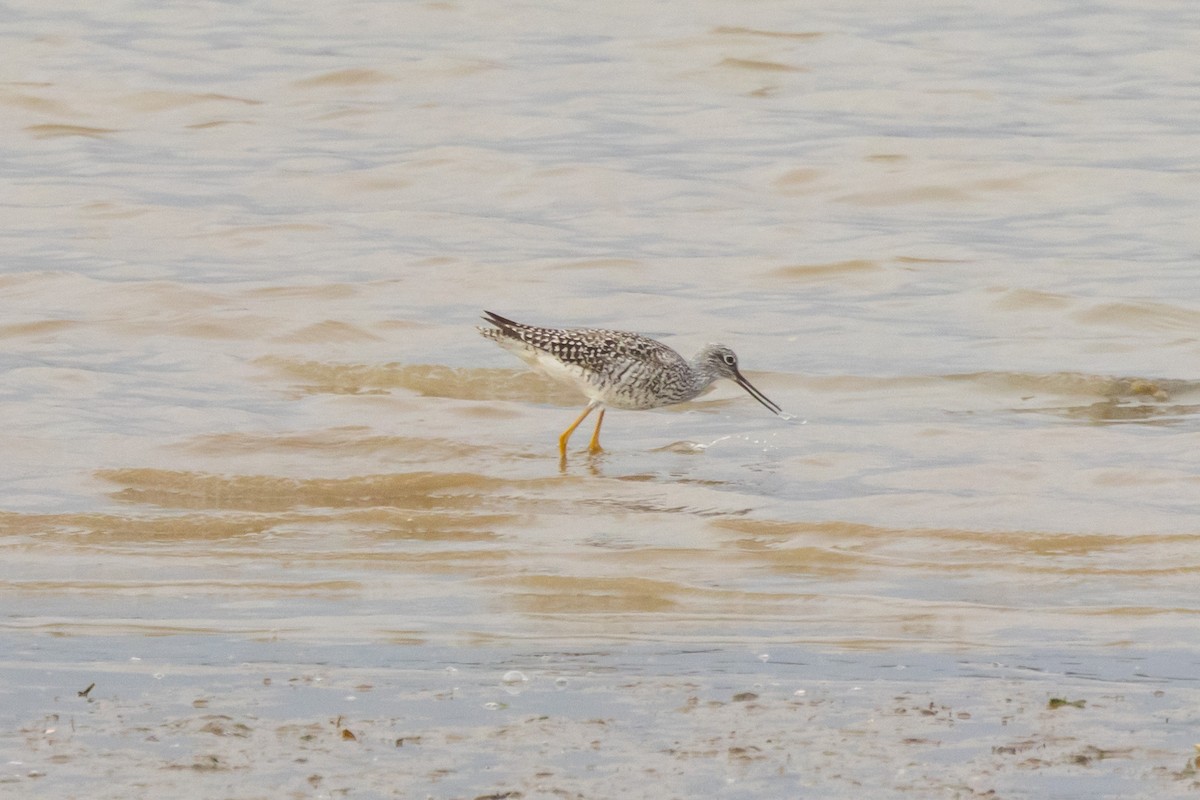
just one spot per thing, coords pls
(617, 368)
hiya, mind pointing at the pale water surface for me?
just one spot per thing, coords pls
(308, 534)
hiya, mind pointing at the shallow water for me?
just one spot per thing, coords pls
(267, 489)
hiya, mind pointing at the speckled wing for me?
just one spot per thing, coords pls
(618, 368)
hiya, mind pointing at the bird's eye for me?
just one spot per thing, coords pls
(730, 359)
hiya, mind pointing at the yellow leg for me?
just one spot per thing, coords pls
(562, 440)
(594, 445)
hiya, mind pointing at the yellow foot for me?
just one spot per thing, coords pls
(594, 444)
(566, 435)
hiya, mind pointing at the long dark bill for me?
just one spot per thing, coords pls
(756, 394)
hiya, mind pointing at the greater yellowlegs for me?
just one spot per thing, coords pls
(617, 368)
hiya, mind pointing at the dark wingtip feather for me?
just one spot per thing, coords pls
(497, 320)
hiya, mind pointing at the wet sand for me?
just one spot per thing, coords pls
(605, 723)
